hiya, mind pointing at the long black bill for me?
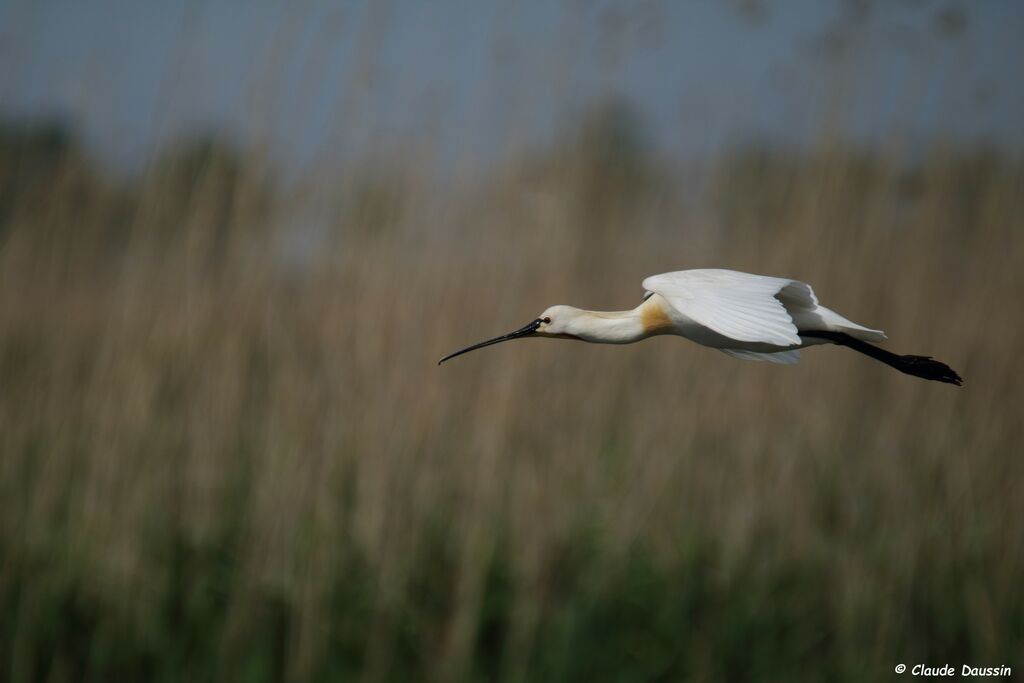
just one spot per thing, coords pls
(521, 332)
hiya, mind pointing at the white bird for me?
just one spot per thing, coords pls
(748, 316)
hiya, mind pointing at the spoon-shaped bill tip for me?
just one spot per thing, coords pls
(525, 331)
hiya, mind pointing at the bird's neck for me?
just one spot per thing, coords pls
(609, 327)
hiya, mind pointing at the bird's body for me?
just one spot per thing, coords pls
(747, 316)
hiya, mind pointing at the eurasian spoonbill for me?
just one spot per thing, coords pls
(747, 316)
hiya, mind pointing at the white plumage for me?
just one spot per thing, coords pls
(749, 316)
(753, 317)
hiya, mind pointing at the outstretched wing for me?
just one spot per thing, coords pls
(740, 306)
(780, 357)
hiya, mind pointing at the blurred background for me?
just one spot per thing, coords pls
(235, 237)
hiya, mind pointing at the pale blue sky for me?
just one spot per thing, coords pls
(477, 78)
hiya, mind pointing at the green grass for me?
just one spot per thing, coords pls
(637, 619)
(219, 466)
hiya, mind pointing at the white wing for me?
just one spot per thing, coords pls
(740, 306)
(780, 357)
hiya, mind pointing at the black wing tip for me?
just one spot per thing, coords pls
(927, 367)
(924, 367)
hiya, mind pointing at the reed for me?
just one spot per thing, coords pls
(228, 456)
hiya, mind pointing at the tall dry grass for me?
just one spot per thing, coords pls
(221, 462)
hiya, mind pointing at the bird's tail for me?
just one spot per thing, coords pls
(834, 321)
(919, 366)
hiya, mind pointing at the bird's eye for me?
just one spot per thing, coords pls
(546, 321)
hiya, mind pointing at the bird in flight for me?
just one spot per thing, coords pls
(747, 316)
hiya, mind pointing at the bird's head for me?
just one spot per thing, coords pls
(555, 322)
